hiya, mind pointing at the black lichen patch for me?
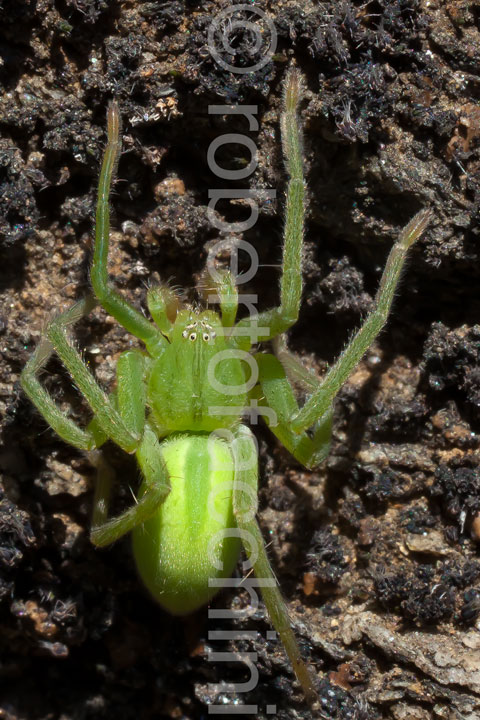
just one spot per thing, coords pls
(18, 181)
(425, 595)
(418, 520)
(338, 704)
(341, 290)
(400, 419)
(226, 53)
(359, 50)
(418, 599)
(428, 605)
(328, 558)
(164, 16)
(382, 486)
(457, 491)
(460, 575)
(452, 365)
(83, 11)
(470, 610)
(16, 537)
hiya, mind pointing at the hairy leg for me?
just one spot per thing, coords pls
(321, 400)
(163, 305)
(109, 298)
(220, 289)
(279, 319)
(56, 418)
(278, 395)
(106, 531)
(107, 416)
(245, 507)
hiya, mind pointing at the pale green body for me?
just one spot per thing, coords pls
(170, 398)
(178, 392)
(182, 546)
(175, 548)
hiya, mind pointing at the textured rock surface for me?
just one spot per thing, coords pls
(377, 551)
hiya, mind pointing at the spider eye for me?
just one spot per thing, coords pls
(192, 337)
(206, 337)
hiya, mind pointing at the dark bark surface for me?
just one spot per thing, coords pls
(377, 550)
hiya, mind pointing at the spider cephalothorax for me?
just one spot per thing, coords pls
(196, 378)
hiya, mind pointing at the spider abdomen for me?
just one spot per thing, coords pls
(191, 539)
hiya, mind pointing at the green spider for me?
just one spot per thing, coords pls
(178, 405)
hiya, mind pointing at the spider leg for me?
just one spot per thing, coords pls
(245, 506)
(276, 393)
(279, 319)
(131, 390)
(218, 287)
(131, 319)
(321, 400)
(163, 304)
(105, 531)
(129, 399)
(56, 418)
(221, 289)
(107, 416)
